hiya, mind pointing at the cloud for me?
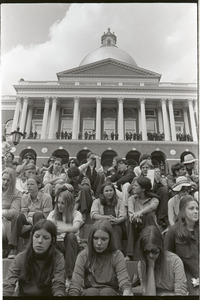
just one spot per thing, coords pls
(160, 37)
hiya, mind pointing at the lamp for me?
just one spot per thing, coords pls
(16, 136)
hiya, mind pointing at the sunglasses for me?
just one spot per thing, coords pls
(153, 251)
(51, 160)
(28, 157)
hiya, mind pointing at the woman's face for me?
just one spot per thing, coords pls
(144, 169)
(8, 157)
(100, 241)
(61, 204)
(57, 166)
(137, 188)
(192, 212)
(32, 186)
(151, 251)
(29, 173)
(5, 181)
(114, 162)
(41, 241)
(108, 192)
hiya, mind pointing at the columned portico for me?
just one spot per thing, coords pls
(16, 114)
(172, 121)
(160, 120)
(120, 119)
(52, 119)
(75, 119)
(45, 118)
(143, 119)
(165, 120)
(23, 115)
(98, 118)
(192, 120)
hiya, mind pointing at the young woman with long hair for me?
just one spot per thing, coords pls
(142, 205)
(39, 270)
(68, 221)
(109, 207)
(161, 272)
(100, 269)
(183, 239)
(11, 204)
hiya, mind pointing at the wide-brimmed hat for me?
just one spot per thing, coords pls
(180, 182)
(188, 159)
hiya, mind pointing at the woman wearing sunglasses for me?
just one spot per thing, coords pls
(161, 272)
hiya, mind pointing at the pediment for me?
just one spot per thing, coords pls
(108, 67)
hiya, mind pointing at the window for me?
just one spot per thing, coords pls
(37, 126)
(177, 113)
(151, 126)
(130, 126)
(150, 112)
(179, 127)
(39, 111)
(8, 127)
(67, 111)
(66, 125)
(109, 126)
(88, 125)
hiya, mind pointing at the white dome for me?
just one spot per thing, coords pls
(108, 52)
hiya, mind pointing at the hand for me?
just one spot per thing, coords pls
(136, 216)
(127, 292)
(150, 262)
(114, 220)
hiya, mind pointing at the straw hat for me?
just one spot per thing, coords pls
(188, 159)
(180, 182)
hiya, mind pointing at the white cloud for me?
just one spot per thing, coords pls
(160, 37)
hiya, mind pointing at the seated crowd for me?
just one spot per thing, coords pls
(134, 214)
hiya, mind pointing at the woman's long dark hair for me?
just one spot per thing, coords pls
(145, 184)
(48, 269)
(92, 254)
(153, 235)
(102, 197)
(182, 232)
(69, 203)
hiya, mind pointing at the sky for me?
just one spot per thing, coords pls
(40, 40)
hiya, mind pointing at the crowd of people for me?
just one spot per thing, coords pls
(136, 214)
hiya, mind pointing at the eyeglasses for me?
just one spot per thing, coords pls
(153, 251)
(28, 157)
(51, 160)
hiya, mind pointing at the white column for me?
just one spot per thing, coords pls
(98, 118)
(45, 118)
(75, 119)
(160, 121)
(165, 120)
(120, 119)
(192, 120)
(16, 114)
(196, 110)
(172, 120)
(52, 120)
(139, 120)
(23, 116)
(186, 122)
(29, 119)
(143, 119)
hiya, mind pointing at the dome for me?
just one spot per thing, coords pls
(108, 50)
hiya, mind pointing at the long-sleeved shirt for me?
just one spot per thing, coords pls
(56, 288)
(98, 208)
(171, 278)
(11, 204)
(135, 204)
(173, 209)
(121, 178)
(108, 271)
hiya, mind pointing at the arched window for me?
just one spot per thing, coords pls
(8, 127)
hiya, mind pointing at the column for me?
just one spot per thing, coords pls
(98, 118)
(172, 121)
(29, 119)
(45, 118)
(186, 122)
(196, 110)
(75, 119)
(23, 116)
(121, 119)
(139, 120)
(16, 114)
(165, 120)
(143, 119)
(52, 119)
(192, 120)
(160, 121)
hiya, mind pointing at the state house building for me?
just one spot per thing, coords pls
(109, 105)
